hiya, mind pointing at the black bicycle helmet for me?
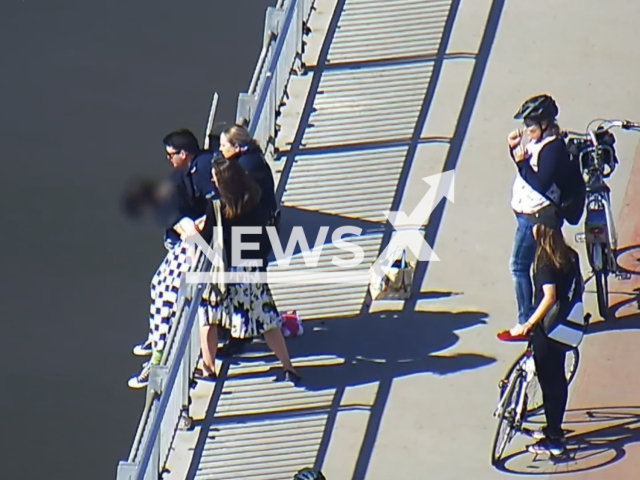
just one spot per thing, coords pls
(309, 474)
(538, 108)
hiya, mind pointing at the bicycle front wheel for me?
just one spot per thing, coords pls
(507, 418)
(534, 391)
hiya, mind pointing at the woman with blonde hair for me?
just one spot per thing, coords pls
(236, 144)
(248, 309)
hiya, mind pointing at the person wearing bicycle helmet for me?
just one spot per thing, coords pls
(541, 164)
(554, 324)
(309, 474)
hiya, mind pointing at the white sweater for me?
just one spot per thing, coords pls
(524, 199)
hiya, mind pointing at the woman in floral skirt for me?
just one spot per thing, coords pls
(248, 309)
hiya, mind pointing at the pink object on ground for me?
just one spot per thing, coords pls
(291, 324)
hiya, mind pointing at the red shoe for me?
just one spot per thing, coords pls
(506, 336)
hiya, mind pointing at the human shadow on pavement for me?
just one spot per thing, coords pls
(377, 348)
(603, 433)
(383, 345)
(371, 348)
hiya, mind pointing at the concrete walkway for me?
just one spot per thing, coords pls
(407, 390)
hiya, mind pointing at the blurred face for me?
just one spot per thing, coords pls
(177, 157)
(226, 148)
(534, 132)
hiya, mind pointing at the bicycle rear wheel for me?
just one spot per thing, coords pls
(599, 260)
(602, 293)
(507, 418)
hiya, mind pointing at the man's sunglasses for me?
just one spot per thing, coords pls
(171, 154)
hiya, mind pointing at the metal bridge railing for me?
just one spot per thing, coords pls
(281, 54)
(167, 399)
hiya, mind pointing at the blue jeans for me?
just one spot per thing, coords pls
(522, 257)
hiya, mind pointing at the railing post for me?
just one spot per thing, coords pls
(246, 108)
(126, 471)
(299, 29)
(157, 378)
(212, 114)
(273, 23)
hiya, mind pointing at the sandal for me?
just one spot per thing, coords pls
(202, 375)
(289, 376)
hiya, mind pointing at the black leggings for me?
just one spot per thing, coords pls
(550, 357)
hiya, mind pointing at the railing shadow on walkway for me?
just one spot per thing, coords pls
(592, 449)
(378, 347)
(455, 143)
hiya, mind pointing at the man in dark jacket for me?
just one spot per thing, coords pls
(181, 206)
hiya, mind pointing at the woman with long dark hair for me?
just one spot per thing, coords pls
(556, 324)
(247, 310)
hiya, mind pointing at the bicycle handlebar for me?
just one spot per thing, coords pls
(600, 128)
(590, 133)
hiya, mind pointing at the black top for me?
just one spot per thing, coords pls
(256, 217)
(254, 163)
(547, 274)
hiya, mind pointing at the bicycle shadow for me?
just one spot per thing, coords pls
(628, 259)
(588, 448)
(618, 320)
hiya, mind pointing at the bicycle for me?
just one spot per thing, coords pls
(518, 400)
(596, 154)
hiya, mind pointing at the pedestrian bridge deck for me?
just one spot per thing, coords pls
(355, 134)
(386, 97)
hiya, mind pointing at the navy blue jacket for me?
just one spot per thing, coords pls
(192, 189)
(255, 164)
(553, 165)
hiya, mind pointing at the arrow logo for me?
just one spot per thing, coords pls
(407, 235)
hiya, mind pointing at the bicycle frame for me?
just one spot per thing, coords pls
(600, 230)
(527, 364)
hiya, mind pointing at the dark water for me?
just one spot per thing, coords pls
(87, 90)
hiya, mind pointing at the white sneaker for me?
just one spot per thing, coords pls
(143, 349)
(142, 379)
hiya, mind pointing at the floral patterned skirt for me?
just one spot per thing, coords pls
(247, 310)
